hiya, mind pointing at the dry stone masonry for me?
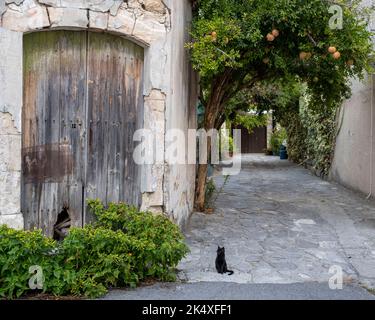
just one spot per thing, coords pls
(143, 20)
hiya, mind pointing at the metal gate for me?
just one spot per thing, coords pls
(82, 103)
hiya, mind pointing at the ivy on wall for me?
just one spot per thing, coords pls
(311, 135)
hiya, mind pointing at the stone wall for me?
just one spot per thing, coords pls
(161, 28)
(141, 20)
(10, 127)
(354, 157)
(181, 114)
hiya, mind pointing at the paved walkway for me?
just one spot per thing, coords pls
(282, 225)
(283, 229)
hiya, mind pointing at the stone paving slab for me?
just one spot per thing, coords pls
(280, 224)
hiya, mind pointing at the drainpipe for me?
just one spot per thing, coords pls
(372, 136)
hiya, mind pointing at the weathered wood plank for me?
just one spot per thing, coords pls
(83, 103)
(49, 205)
(29, 207)
(115, 71)
(55, 83)
(72, 118)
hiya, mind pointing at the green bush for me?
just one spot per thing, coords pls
(165, 246)
(251, 121)
(122, 248)
(19, 250)
(277, 139)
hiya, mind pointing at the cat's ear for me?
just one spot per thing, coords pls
(218, 248)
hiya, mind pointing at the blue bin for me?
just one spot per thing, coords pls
(283, 153)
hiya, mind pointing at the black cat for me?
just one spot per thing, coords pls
(221, 264)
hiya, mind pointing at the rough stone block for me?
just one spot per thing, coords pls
(155, 121)
(157, 70)
(156, 197)
(10, 152)
(115, 8)
(3, 7)
(95, 5)
(10, 80)
(133, 4)
(149, 27)
(154, 6)
(98, 20)
(17, 2)
(156, 95)
(155, 106)
(7, 125)
(123, 22)
(10, 191)
(25, 17)
(14, 221)
(154, 175)
(143, 26)
(68, 17)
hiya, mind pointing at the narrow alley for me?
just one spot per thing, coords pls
(283, 229)
(281, 224)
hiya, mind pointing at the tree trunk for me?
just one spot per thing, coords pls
(203, 168)
(201, 187)
(212, 110)
(202, 176)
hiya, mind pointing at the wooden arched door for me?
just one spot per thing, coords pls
(82, 103)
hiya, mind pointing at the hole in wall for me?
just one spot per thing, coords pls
(62, 225)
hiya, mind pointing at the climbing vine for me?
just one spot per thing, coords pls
(321, 136)
(311, 134)
(310, 128)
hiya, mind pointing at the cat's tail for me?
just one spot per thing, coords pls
(230, 272)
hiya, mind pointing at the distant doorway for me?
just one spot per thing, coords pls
(254, 142)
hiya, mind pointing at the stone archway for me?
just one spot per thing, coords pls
(170, 90)
(146, 23)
